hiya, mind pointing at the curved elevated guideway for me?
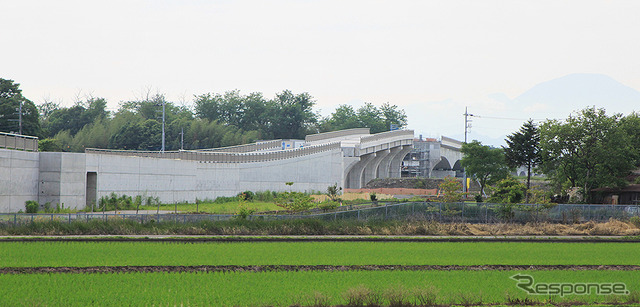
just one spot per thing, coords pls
(349, 158)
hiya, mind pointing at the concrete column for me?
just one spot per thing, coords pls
(396, 161)
(371, 170)
(383, 167)
(354, 178)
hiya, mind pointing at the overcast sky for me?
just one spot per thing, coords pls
(432, 58)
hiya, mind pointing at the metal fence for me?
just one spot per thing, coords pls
(440, 212)
(489, 213)
(17, 141)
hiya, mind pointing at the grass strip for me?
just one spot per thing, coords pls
(80, 254)
(304, 288)
(201, 239)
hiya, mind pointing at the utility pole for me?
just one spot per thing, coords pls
(467, 125)
(182, 139)
(20, 117)
(19, 120)
(163, 104)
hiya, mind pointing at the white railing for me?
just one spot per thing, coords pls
(17, 141)
(335, 134)
(221, 157)
(258, 146)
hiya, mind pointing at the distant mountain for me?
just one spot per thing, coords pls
(578, 91)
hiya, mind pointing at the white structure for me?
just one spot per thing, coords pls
(349, 158)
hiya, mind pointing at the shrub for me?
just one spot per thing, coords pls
(113, 202)
(246, 195)
(328, 205)
(373, 197)
(451, 188)
(152, 201)
(508, 190)
(294, 201)
(333, 191)
(244, 212)
(635, 220)
(31, 206)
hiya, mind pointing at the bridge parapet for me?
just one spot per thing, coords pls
(384, 140)
(336, 134)
(18, 141)
(258, 146)
(221, 157)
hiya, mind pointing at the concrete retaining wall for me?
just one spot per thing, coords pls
(62, 179)
(18, 179)
(179, 180)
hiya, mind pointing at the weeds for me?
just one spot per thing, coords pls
(397, 296)
(260, 225)
(468, 299)
(425, 296)
(633, 297)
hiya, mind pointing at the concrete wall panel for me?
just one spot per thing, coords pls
(18, 179)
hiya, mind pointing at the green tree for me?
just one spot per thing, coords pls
(138, 136)
(10, 101)
(344, 117)
(75, 118)
(49, 145)
(484, 163)
(451, 188)
(508, 191)
(292, 115)
(588, 151)
(392, 114)
(523, 149)
(368, 116)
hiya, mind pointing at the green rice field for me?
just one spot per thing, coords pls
(306, 288)
(278, 288)
(28, 254)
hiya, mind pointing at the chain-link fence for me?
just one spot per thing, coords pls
(490, 213)
(439, 212)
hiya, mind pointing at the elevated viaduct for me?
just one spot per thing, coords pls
(348, 158)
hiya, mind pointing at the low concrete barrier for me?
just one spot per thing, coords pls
(335, 134)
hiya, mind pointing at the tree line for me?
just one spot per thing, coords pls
(214, 120)
(588, 150)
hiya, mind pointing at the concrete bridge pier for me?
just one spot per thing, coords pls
(396, 162)
(371, 169)
(355, 177)
(385, 164)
